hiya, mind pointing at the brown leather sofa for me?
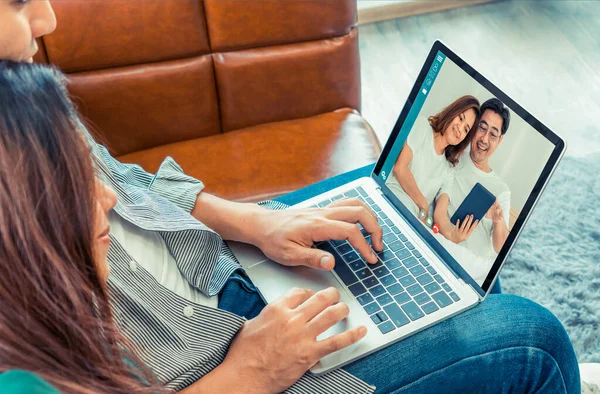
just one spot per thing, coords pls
(256, 98)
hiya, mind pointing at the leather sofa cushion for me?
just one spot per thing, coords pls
(233, 24)
(96, 34)
(269, 160)
(287, 82)
(140, 107)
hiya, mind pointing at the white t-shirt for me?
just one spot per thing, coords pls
(429, 169)
(477, 267)
(149, 250)
(466, 175)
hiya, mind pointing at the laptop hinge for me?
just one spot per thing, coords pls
(472, 288)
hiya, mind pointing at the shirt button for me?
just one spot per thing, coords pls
(188, 311)
(133, 266)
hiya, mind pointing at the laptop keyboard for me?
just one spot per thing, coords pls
(402, 286)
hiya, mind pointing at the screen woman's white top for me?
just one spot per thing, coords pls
(429, 169)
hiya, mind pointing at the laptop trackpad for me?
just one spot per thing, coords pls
(274, 280)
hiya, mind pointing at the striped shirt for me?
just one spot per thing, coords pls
(178, 340)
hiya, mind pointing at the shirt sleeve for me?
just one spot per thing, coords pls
(172, 183)
(447, 185)
(504, 201)
(169, 181)
(16, 381)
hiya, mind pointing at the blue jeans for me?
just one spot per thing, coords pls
(505, 344)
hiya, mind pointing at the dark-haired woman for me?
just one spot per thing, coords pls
(56, 326)
(431, 151)
(55, 315)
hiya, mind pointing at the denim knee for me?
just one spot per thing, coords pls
(536, 327)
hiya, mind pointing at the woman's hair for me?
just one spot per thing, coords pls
(55, 316)
(444, 118)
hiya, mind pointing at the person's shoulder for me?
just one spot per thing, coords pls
(419, 132)
(19, 381)
(462, 164)
(447, 169)
(424, 126)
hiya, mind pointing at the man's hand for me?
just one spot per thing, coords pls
(272, 351)
(495, 213)
(500, 230)
(462, 232)
(287, 236)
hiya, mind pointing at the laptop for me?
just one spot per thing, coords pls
(421, 277)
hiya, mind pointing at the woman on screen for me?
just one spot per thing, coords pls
(430, 153)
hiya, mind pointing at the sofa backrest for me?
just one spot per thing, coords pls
(147, 73)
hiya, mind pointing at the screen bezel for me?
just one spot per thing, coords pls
(549, 135)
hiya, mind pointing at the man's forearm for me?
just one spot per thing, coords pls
(499, 235)
(231, 220)
(446, 228)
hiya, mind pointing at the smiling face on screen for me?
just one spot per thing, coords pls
(487, 138)
(460, 126)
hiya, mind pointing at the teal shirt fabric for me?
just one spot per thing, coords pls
(20, 382)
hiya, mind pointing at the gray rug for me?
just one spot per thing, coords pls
(556, 261)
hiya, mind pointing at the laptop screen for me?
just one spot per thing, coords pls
(467, 163)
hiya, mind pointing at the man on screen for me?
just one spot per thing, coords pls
(484, 239)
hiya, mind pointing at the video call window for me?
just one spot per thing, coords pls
(466, 167)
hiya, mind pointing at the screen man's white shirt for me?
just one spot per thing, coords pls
(466, 175)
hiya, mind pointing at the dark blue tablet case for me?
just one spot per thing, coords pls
(477, 203)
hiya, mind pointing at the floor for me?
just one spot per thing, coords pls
(544, 54)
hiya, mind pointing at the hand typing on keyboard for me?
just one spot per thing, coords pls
(402, 287)
(287, 236)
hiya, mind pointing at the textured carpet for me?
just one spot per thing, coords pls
(556, 261)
